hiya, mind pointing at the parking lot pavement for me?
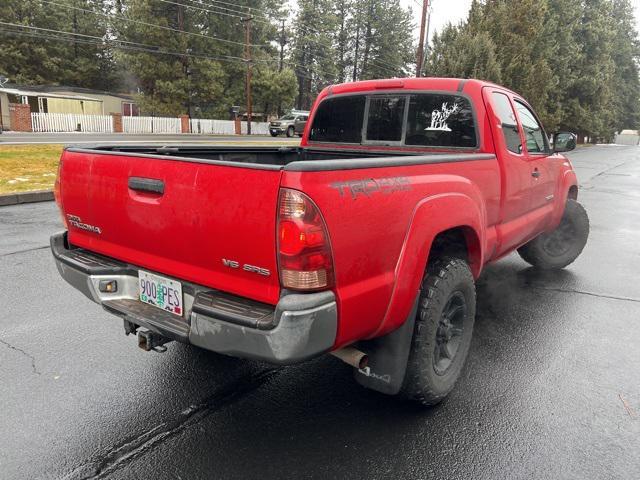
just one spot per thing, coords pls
(551, 388)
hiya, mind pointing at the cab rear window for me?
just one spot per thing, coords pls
(422, 119)
(339, 120)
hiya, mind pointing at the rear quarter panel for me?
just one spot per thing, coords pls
(381, 222)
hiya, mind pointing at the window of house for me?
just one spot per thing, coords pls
(339, 119)
(534, 135)
(33, 103)
(43, 105)
(440, 120)
(504, 110)
(130, 109)
(385, 118)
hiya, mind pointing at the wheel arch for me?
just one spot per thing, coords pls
(441, 224)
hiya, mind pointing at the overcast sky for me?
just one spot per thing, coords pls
(445, 11)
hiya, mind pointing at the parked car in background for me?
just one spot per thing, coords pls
(286, 124)
(299, 124)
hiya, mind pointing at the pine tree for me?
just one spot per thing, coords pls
(626, 80)
(43, 55)
(576, 61)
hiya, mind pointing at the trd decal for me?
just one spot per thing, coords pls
(369, 186)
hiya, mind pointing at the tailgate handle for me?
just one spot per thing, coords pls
(146, 185)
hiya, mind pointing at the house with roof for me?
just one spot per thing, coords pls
(61, 99)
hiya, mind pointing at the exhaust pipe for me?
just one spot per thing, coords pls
(352, 356)
(148, 340)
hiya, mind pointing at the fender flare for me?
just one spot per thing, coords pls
(567, 181)
(431, 216)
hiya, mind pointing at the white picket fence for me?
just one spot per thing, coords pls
(69, 122)
(212, 127)
(151, 125)
(257, 128)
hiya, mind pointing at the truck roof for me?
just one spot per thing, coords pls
(423, 83)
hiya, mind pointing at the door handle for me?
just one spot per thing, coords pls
(535, 173)
(150, 185)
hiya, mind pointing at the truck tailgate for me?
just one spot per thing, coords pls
(207, 217)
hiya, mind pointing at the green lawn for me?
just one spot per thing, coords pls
(25, 168)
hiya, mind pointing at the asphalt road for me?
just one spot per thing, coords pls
(11, 138)
(551, 389)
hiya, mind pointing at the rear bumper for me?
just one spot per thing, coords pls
(299, 327)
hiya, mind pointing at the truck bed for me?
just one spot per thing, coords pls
(277, 158)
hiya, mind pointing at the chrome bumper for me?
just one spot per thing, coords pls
(299, 327)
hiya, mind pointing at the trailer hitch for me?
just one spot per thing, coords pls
(148, 340)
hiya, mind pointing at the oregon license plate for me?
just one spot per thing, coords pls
(160, 292)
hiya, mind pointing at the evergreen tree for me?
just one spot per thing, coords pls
(43, 55)
(576, 61)
(314, 50)
(625, 54)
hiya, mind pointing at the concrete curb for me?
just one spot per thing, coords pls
(26, 197)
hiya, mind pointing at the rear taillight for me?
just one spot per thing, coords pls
(57, 194)
(304, 251)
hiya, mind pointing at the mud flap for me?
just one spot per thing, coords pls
(388, 356)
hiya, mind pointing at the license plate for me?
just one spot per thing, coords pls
(160, 292)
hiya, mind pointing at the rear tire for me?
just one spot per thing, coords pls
(560, 247)
(290, 132)
(443, 330)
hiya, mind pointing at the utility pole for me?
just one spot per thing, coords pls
(420, 59)
(185, 58)
(247, 57)
(426, 44)
(283, 42)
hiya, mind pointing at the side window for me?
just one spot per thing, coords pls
(507, 117)
(440, 120)
(384, 122)
(533, 133)
(339, 119)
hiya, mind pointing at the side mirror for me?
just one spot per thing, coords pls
(564, 142)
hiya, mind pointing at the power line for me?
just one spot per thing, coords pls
(376, 62)
(214, 11)
(389, 67)
(237, 7)
(98, 41)
(105, 41)
(126, 45)
(140, 22)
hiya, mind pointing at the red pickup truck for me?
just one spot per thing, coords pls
(364, 242)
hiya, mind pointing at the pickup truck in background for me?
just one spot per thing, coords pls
(364, 242)
(287, 124)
